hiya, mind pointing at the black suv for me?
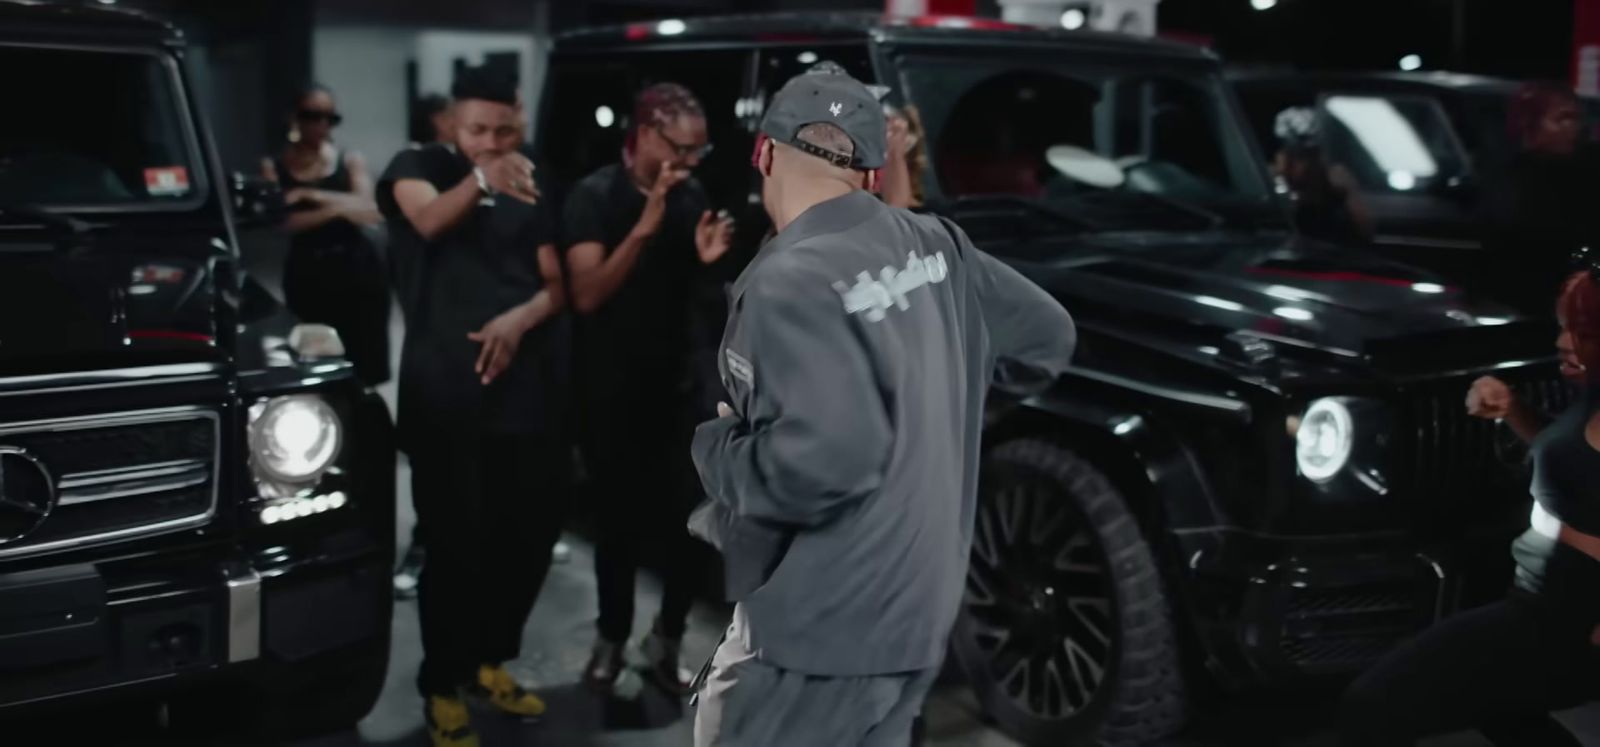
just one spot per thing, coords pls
(196, 496)
(1259, 471)
(1418, 144)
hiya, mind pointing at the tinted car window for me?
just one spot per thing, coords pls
(1066, 133)
(1392, 143)
(590, 99)
(100, 129)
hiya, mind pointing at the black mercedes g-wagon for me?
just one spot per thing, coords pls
(1259, 471)
(196, 495)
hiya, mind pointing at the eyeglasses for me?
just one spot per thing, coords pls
(684, 150)
(311, 115)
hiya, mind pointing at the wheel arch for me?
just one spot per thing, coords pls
(1146, 460)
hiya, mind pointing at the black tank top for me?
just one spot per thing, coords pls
(1566, 489)
(336, 233)
(337, 181)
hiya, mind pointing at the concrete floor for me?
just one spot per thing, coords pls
(555, 648)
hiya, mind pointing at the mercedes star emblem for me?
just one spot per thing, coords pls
(27, 494)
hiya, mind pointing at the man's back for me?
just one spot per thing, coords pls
(883, 327)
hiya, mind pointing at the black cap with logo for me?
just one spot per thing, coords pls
(831, 97)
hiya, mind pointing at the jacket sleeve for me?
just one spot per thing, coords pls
(815, 434)
(1032, 337)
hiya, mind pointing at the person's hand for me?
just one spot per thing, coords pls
(299, 195)
(713, 236)
(655, 203)
(723, 410)
(511, 174)
(901, 141)
(500, 339)
(1490, 399)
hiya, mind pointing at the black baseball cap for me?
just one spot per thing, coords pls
(833, 98)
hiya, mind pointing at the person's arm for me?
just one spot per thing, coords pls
(1491, 399)
(596, 275)
(360, 178)
(896, 171)
(431, 212)
(815, 435)
(1354, 203)
(1031, 335)
(502, 336)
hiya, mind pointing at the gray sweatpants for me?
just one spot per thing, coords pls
(749, 703)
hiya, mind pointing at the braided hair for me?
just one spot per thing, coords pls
(657, 106)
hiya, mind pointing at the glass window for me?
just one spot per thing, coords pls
(100, 129)
(1115, 148)
(590, 101)
(1392, 143)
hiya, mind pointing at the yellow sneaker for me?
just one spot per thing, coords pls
(449, 725)
(496, 685)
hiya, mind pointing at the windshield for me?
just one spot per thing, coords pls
(92, 130)
(1393, 143)
(1119, 148)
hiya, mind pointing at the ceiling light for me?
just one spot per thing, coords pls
(1263, 4)
(671, 27)
(807, 57)
(604, 117)
(1074, 19)
(1411, 62)
(1427, 287)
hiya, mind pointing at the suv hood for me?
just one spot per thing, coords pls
(77, 308)
(1307, 295)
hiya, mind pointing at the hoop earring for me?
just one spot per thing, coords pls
(294, 134)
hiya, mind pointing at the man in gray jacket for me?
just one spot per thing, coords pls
(842, 479)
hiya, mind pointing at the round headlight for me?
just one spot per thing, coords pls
(295, 438)
(1326, 435)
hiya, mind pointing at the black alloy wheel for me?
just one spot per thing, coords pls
(1064, 631)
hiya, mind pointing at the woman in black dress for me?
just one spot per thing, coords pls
(333, 274)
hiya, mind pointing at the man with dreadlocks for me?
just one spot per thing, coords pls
(636, 233)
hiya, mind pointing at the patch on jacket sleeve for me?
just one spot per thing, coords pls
(739, 368)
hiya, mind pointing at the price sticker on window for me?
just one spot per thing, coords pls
(167, 181)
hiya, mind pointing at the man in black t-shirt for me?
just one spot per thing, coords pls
(637, 234)
(483, 380)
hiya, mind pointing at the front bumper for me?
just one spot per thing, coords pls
(170, 620)
(1274, 610)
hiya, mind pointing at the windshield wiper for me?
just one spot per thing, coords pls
(36, 214)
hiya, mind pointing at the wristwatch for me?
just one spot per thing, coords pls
(483, 182)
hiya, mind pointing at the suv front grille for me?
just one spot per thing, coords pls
(1454, 454)
(121, 476)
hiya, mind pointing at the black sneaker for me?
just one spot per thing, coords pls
(409, 574)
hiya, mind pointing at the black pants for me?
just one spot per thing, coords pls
(636, 449)
(492, 507)
(344, 286)
(1499, 669)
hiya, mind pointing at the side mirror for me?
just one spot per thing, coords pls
(256, 201)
